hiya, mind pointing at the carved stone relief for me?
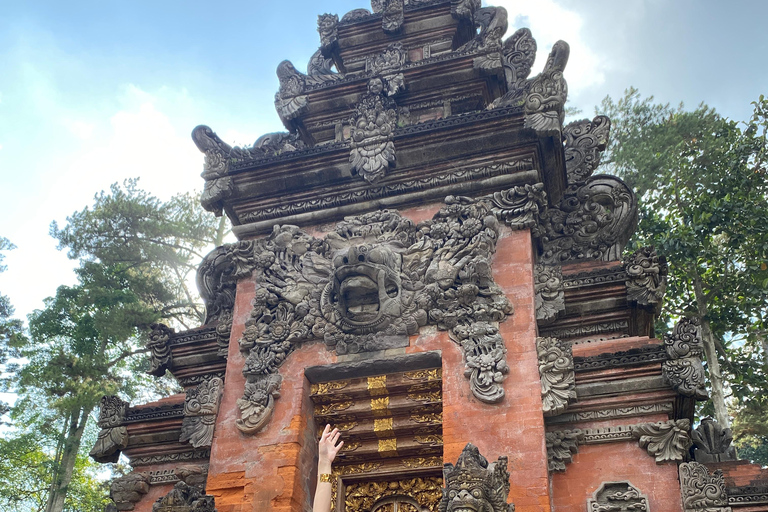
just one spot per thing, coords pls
(562, 445)
(519, 207)
(392, 15)
(647, 281)
(519, 53)
(113, 437)
(684, 370)
(550, 295)
(185, 498)
(558, 380)
(464, 9)
(369, 285)
(327, 27)
(701, 491)
(159, 349)
(128, 490)
(475, 484)
(200, 409)
(712, 442)
(218, 186)
(290, 103)
(666, 441)
(584, 142)
(617, 497)
(492, 22)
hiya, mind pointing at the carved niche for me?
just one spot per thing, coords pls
(185, 498)
(684, 370)
(475, 484)
(701, 491)
(712, 442)
(200, 409)
(617, 497)
(113, 436)
(647, 272)
(368, 285)
(558, 380)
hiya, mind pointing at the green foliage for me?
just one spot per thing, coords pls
(703, 194)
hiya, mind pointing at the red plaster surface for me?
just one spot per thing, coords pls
(614, 462)
(155, 493)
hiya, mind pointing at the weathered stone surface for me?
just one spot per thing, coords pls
(519, 207)
(558, 381)
(159, 350)
(372, 151)
(550, 295)
(545, 100)
(667, 441)
(647, 282)
(684, 370)
(475, 484)
(712, 442)
(562, 445)
(128, 490)
(617, 497)
(584, 143)
(113, 436)
(185, 498)
(200, 409)
(702, 491)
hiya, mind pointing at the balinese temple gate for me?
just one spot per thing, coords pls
(426, 259)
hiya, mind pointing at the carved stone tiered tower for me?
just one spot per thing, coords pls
(426, 259)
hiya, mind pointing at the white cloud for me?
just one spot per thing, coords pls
(550, 22)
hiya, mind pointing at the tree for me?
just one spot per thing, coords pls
(703, 194)
(11, 329)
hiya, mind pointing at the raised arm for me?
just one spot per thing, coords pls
(328, 447)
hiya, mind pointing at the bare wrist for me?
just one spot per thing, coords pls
(324, 466)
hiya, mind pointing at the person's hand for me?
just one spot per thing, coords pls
(328, 447)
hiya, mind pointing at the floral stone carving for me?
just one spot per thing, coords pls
(550, 296)
(585, 140)
(701, 491)
(475, 484)
(367, 286)
(113, 436)
(545, 101)
(519, 207)
(684, 370)
(647, 281)
(712, 442)
(558, 380)
(185, 498)
(372, 150)
(617, 497)
(200, 408)
(562, 445)
(667, 441)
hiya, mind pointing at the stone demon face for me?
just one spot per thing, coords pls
(364, 292)
(474, 485)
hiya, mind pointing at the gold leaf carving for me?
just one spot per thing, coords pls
(432, 418)
(388, 447)
(431, 396)
(434, 374)
(426, 492)
(422, 462)
(380, 406)
(351, 446)
(344, 427)
(377, 386)
(323, 388)
(321, 410)
(382, 426)
(435, 439)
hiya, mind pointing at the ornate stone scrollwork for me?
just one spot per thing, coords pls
(617, 497)
(290, 102)
(585, 140)
(368, 285)
(493, 24)
(519, 207)
(647, 281)
(519, 53)
(712, 442)
(550, 296)
(392, 14)
(218, 186)
(545, 99)
(113, 436)
(592, 221)
(475, 484)
(684, 370)
(666, 441)
(128, 490)
(159, 349)
(185, 498)
(558, 380)
(372, 150)
(387, 62)
(464, 9)
(327, 27)
(701, 491)
(200, 409)
(562, 445)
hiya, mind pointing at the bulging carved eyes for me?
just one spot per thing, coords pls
(452, 494)
(477, 493)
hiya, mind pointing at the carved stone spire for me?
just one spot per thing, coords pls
(113, 436)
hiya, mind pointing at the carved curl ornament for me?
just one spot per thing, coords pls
(684, 370)
(475, 484)
(647, 272)
(558, 380)
(701, 491)
(113, 436)
(550, 296)
(712, 442)
(369, 285)
(617, 497)
(200, 409)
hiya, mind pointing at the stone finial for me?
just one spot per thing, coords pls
(684, 370)
(113, 436)
(159, 349)
(585, 141)
(712, 442)
(558, 380)
(475, 484)
(647, 281)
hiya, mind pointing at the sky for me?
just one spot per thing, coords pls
(95, 92)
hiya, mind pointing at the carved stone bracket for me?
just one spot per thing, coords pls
(519, 207)
(200, 409)
(701, 491)
(684, 370)
(712, 442)
(113, 436)
(185, 498)
(159, 349)
(666, 441)
(218, 186)
(367, 286)
(562, 445)
(546, 94)
(617, 497)
(585, 141)
(290, 103)
(550, 295)
(475, 484)
(558, 380)
(492, 22)
(128, 490)
(647, 281)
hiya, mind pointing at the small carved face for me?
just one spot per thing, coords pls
(375, 86)
(468, 500)
(365, 289)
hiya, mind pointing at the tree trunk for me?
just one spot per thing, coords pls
(710, 351)
(221, 231)
(65, 467)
